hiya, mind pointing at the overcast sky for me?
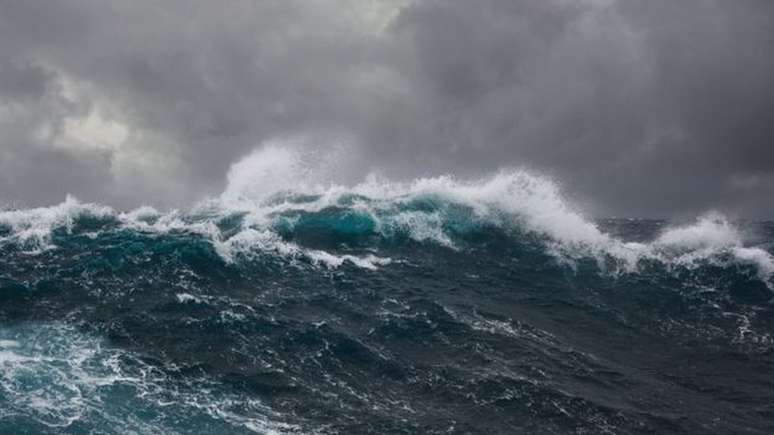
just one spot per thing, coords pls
(638, 108)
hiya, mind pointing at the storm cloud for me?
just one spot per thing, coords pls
(638, 108)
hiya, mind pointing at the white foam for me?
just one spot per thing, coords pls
(9, 343)
(370, 261)
(33, 227)
(56, 375)
(140, 214)
(184, 298)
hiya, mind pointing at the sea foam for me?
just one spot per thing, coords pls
(275, 181)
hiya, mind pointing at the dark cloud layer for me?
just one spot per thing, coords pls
(651, 108)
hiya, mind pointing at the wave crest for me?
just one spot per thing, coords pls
(273, 197)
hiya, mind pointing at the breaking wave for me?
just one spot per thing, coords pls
(273, 204)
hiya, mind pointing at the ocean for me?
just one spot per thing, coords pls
(438, 305)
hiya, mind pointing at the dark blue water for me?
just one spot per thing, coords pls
(409, 314)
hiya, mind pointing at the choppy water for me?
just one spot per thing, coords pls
(436, 306)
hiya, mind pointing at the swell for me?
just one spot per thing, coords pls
(353, 312)
(432, 306)
(496, 335)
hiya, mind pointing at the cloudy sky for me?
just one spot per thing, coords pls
(638, 108)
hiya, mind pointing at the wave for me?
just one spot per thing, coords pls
(277, 203)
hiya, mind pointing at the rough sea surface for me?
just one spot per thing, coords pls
(435, 306)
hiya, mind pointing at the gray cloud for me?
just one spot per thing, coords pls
(654, 108)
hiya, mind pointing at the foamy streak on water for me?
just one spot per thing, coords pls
(56, 375)
(262, 185)
(250, 241)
